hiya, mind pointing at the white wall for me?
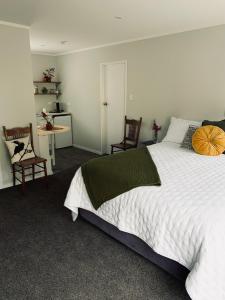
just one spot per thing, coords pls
(16, 92)
(42, 62)
(39, 64)
(181, 75)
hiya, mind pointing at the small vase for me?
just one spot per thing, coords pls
(48, 126)
(44, 90)
(47, 79)
(155, 137)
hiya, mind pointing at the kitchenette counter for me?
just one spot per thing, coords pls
(64, 113)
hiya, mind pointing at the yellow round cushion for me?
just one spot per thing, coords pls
(209, 140)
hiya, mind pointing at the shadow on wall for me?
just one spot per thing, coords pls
(5, 165)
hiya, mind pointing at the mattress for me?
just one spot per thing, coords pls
(183, 219)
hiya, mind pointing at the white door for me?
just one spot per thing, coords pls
(113, 103)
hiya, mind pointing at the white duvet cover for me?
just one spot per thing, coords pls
(183, 219)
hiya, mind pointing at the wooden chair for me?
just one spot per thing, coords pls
(22, 166)
(131, 135)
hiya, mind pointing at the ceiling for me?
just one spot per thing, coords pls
(91, 23)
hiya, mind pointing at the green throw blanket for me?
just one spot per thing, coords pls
(109, 176)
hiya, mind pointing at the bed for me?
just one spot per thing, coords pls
(181, 222)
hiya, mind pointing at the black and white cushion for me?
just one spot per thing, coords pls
(20, 149)
(187, 141)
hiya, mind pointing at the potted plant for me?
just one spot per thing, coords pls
(44, 90)
(48, 125)
(48, 74)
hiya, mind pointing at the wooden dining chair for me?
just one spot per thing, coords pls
(22, 166)
(131, 135)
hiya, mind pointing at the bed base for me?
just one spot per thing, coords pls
(137, 245)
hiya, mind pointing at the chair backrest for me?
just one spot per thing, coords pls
(18, 132)
(132, 130)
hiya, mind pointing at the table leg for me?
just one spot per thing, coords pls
(53, 148)
(45, 149)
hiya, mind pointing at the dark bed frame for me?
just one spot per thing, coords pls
(137, 245)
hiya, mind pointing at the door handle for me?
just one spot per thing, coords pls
(105, 103)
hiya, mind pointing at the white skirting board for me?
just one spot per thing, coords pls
(87, 149)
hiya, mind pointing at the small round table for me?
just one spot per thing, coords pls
(57, 129)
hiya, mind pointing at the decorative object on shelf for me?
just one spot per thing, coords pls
(44, 90)
(52, 91)
(35, 89)
(55, 92)
(156, 128)
(48, 125)
(49, 74)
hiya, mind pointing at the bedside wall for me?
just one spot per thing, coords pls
(16, 92)
(179, 75)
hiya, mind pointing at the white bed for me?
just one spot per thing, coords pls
(183, 219)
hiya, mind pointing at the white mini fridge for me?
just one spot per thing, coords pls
(65, 139)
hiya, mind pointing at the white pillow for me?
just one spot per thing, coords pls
(177, 130)
(20, 149)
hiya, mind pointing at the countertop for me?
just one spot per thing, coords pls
(57, 129)
(65, 113)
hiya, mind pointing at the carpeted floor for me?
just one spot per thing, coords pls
(44, 255)
(70, 157)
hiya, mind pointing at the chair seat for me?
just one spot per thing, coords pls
(31, 161)
(123, 146)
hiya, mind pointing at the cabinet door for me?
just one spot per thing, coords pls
(63, 139)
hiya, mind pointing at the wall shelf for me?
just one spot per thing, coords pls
(47, 82)
(48, 94)
(56, 83)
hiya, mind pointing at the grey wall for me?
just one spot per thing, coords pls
(39, 64)
(179, 75)
(16, 92)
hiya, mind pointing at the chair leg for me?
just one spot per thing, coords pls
(46, 175)
(23, 180)
(33, 172)
(14, 174)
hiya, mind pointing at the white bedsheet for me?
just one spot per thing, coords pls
(184, 219)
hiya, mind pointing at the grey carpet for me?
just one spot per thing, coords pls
(44, 255)
(70, 157)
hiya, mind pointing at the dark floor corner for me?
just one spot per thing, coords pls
(44, 255)
(71, 157)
